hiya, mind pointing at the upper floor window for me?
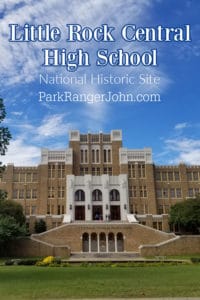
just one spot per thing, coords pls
(96, 195)
(114, 195)
(107, 155)
(84, 156)
(79, 195)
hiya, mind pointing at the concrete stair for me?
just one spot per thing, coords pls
(101, 257)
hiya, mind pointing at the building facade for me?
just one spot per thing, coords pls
(97, 180)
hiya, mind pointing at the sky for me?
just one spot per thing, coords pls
(171, 126)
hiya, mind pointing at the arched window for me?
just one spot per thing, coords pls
(96, 195)
(79, 195)
(114, 195)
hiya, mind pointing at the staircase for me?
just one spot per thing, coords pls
(104, 257)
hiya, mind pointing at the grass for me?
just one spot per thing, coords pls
(21, 282)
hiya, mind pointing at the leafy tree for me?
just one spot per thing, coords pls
(186, 215)
(5, 135)
(10, 229)
(12, 209)
(12, 219)
(40, 226)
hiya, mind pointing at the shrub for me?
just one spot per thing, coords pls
(9, 262)
(195, 259)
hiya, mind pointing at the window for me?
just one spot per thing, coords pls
(96, 171)
(79, 195)
(172, 193)
(141, 170)
(196, 191)
(195, 176)
(178, 193)
(83, 171)
(61, 171)
(165, 193)
(61, 192)
(28, 193)
(114, 195)
(16, 177)
(177, 176)
(158, 176)
(96, 195)
(159, 193)
(84, 156)
(107, 170)
(51, 171)
(15, 194)
(189, 176)
(33, 210)
(107, 156)
(34, 177)
(132, 191)
(34, 193)
(131, 170)
(28, 177)
(164, 176)
(22, 177)
(143, 191)
(170, 176)
(51, 192)
(190, 192)
(21, 194)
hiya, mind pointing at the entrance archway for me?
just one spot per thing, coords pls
(102, 242)
(120, 242)
(94, 242)
(85, 242)
(111, 242)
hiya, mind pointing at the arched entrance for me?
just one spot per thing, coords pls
(94, 242)
(120, 242)
(102, 242)
(85, 242)
(111, 242)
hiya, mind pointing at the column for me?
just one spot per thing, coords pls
(89, 241)
(115, 237)
(98, 242)
(107, 243)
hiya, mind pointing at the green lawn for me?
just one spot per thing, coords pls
(31, 282)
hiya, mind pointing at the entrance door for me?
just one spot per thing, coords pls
(79, 213)
(97, 212)
(115, 212)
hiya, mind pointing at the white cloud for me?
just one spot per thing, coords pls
(53, 125)
(185, 150)
(21, 154)
(181, 126)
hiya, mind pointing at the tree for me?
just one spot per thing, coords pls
(40, 226)
(12, 219)
(12, 209)
(10, 229)
(186, 215)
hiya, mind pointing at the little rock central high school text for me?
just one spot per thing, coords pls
(99, 196)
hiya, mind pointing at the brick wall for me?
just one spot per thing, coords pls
(180, 245)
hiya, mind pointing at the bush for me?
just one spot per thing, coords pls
(9, 262)
(195, 260)
(27, 262)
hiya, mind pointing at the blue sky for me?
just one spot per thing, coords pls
(171, 127)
